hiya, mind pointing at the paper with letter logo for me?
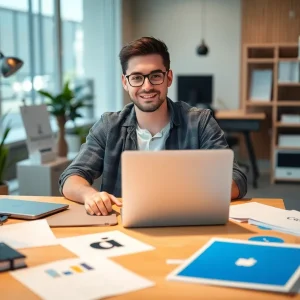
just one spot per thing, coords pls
(287, 221)
(80, 279)
(243, 264)
(107, 244)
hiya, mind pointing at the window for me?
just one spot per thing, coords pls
(90, 43)
(27, 31)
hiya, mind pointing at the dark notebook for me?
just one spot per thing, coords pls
(10, 259)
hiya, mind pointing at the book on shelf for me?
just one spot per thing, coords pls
(289, 140)
(288, 72)
(290, 118)
(261, 85)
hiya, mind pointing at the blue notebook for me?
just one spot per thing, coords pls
(243, 264)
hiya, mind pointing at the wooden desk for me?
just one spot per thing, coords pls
(245, 123)
(170, 243)
(238, 115)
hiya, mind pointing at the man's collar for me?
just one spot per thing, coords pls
(174, 113)
(131, 119)
(172, 108)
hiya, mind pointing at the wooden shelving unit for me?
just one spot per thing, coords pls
(289, 84)
(288, 103)
(285, 97)
(259, 103)
(287, 125)
(286, 148)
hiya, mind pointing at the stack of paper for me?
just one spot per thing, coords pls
(244, 212)
(287, 221)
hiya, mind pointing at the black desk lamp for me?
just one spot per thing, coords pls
(9, 65)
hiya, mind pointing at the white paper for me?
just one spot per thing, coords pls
(290, 220)
(249, 210)
(105, 279)
(284, 220)
(28, 234)
(287, 221)
(276, 228)
(106, 244)
(239, 220)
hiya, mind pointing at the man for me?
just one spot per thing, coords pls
(151, 122)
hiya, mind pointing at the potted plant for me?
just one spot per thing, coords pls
(3, 155)
(64, 107)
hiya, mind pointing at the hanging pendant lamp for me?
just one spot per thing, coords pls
(202, 49)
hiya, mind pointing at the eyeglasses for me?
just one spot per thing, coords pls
(155, 78)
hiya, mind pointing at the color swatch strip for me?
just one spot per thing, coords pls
(74, 269)
(52, 273)
(86, 266)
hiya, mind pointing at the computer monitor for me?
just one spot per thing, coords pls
(196, 90)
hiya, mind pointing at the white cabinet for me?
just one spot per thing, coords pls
(41, 179)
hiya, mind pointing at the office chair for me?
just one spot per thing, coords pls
(231, 139)
(232, 142)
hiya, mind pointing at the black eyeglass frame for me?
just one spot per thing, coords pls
(147, 76)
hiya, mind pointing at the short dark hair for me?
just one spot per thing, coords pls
(144, 46)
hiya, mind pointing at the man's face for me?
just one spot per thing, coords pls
(149, 96)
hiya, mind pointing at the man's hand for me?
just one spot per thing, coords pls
(234, 190)
(100, 203)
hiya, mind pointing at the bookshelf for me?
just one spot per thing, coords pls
(282, 96)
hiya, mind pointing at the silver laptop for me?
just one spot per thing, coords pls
(29, 210)
(176, 187)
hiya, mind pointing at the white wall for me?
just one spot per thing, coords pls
(178, 24)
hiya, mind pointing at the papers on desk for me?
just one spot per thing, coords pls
(106, 244)
(28, 234)
(243, 264)
(80, 278)
(243, 212)
(287, 221)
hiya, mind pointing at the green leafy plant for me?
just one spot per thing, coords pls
(5, 129)
(82, 132)
(64, 104)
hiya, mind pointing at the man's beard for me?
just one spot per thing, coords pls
(149, 107)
